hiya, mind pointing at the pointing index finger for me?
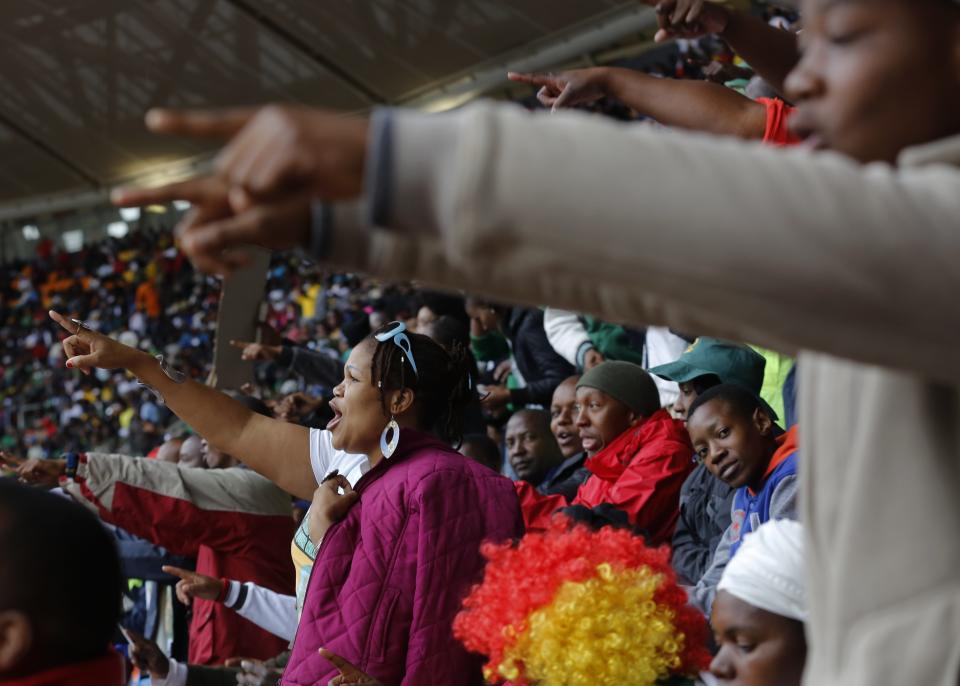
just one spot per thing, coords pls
(215, 124)
(338, 662)
(532, 79)
(184, 574)
(194, 190)
(11, 460)
(67, 324)
(133, 636)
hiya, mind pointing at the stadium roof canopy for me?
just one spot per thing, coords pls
(76, 76)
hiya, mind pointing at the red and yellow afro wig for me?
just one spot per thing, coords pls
(575, 607)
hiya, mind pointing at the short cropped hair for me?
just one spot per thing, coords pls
(743, 401)
(60, 568)
(540, 419)
(481, 448)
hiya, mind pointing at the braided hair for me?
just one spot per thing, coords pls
(443, 384)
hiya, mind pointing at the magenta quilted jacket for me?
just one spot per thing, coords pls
(391, 576)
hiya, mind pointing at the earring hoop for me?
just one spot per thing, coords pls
(388, 446)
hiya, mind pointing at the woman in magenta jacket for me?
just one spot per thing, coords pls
(399, 520)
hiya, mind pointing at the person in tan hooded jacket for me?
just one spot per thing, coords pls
(846, 257)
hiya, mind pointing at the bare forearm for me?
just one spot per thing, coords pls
(277, 450)
(694, 105)
(215, 416)
(771, 52)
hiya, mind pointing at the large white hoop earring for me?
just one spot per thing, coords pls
(389, 447)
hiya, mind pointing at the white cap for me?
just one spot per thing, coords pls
(768, 570)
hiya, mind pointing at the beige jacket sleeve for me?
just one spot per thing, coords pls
(642, 225)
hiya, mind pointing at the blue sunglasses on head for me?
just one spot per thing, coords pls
(400, 339)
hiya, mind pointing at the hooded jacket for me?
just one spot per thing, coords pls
(640, 473)
(390, 577)
(776, 499)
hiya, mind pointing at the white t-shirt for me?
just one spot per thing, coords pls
(663, 347)
(324, 458)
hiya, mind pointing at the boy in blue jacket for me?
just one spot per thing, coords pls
(734, 436)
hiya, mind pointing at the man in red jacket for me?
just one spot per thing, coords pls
(638, 455)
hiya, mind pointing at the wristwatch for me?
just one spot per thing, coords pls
(73, 461)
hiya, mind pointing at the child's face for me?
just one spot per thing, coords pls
(757, 648)
(877, 76)
(735, 448)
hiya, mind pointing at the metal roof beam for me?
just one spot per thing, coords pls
(545, 55)
(38, 142)
(267, 22)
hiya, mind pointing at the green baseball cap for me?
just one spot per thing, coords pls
(728, 361)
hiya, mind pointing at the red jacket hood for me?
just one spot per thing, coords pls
(658, 429)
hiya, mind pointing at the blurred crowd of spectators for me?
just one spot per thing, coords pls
(141, 290)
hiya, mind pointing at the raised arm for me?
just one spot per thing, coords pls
(695, 105)
(276, 449)
(665, 227)
(770, 52)
(657, 227)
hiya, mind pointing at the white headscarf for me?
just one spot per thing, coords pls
(768, 570)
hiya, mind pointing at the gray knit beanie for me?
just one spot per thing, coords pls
(626, 382)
